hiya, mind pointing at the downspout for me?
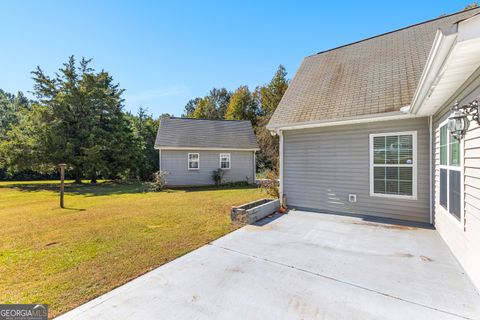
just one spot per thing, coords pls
(254, 168)
(280, 134)
(160, 159)
(430, 128)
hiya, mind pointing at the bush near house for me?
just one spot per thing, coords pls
(217, 176)
(159, 181)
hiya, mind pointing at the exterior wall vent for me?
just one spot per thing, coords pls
(352, 197)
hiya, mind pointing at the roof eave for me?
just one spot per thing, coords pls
(206, 148)
(385, 116)
(439, 53)
(454, 57)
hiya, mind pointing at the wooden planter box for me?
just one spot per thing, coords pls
(254, 211)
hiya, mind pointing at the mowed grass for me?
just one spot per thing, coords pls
(107, 235)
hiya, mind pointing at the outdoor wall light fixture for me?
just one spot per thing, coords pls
(458, 122)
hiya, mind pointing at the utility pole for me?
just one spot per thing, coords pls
(62, 183)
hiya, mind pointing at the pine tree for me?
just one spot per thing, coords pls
(271, 94)
(145, 130)
(78, 120)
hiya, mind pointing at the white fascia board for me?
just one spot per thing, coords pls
(398, 115)
(206, 149)
(469, 29)
(455, 55)
(435, 66)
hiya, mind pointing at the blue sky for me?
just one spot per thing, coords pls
(165, 53)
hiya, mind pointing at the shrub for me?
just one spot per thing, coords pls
(217, 176)
(159, 181)
(270, 184)
(236, 184)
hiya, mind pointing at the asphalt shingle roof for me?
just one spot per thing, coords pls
(375, 75)
(200, 133)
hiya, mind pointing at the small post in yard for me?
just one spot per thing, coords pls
(62, 182)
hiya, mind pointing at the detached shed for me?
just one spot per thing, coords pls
(191, 149)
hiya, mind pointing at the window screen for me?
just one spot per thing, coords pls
(193, 161)
(443, 145)
(450, 173)
(443, 188)
(454, 193)
(225, 160)
(393, 164)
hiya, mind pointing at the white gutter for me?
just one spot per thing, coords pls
(435, 67)
(254, 168)
(159, 159)
(206, 149)
(396, 115)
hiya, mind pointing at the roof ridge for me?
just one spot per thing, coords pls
(183, 118)
(393, 31)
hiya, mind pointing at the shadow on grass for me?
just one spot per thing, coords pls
(74, 209)
(86, 189)
(110, 188)
(211, 188)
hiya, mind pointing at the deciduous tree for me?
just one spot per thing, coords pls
(212, 106)
(271, 94)
(190, 107)
(472, 5)
(242, 106)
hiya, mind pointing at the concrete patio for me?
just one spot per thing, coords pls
(302, 266)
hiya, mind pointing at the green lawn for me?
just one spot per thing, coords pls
(107, 235)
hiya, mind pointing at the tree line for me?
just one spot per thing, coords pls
(77, 117)
(256, 106)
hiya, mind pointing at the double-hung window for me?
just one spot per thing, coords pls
(450, 197)
(393, 165)
(224, 160)
(193, 161)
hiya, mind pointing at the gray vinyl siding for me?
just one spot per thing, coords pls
(463, 238)
(323, 165)
(175, 162)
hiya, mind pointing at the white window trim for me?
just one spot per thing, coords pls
(188, 161)
(229, 161)
(414, 166)
(459, 223)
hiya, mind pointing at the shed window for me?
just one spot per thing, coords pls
(224, 160)
(450, 173)
(393, 164)
(193, 161)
